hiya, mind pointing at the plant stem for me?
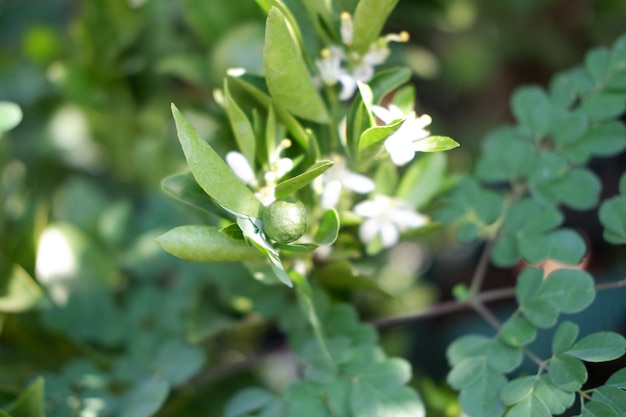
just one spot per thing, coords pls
(481, 270)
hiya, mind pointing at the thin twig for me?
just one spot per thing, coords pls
(481, 270)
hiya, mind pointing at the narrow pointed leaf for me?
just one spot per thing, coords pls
(436, 144)
(369, 19)
(212, 173)
(184, 188)
(287, 76)
(294, 184)
(206, 244)
(241, 126)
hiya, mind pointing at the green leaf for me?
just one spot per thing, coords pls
(532, 109)
(184, 188)
(241, 127)
(570, 290)
(622, 185)
(19, 291)
(518, 331)
(246, 401)
(437, 144)
(482, 399)
(339, 397)
(557, 400)
(303, 399)
(328, 228)
(612, 396)
(598, 409)
(30, 402)
(514, 391)
(567, 372)
(564, 337)
(286, 74)
(563, 245)
(578, 189)
(599, 347)
(504, 157)
(529, 406)
(422, 180)
(502, 357)
(387, 375)
(613, 217)
(366, 401)
(528, 283)
(368, 21)
(177, 361)
(540, 313)
(466, 347)
(376, 134)
(145, 398)
(10, 116)
(601, 139)
(206, 244)
(603, 106)
(388, 80)
(467, 372)
(212, 173)
(291, 185)
(618, 379)
(597, 64)
(568, 127)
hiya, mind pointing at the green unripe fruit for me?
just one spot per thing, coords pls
(284, 220)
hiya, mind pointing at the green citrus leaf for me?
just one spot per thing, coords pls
(388, 80)
(19, 291)
(206, 244)
(184, 188)
(376, 134)
(423, 180)
(437, 144)
(241, 126)
(328, 228)
(286, 74)
(368, 21)
(212, 173)
(294, 184)
(30, 402)
(599, 347)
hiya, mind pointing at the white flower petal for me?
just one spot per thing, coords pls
(348, 87)
(408, 219)
(330, 195)
(357, 183)
(241, 167)
(368, 230)
(389, 234)
(369, 208)
(363, 72)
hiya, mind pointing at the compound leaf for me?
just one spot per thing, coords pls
(566, 372)
(570, 290)
(564, 337)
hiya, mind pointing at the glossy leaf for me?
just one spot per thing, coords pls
(437, 144)
(19, 292)
(564, 337)
(422, 180)
(599, 347)
(328, 228)
(567, 372)
(212, 173)
(286, 74)
(388, 80)
(376, 134)
(30, 402)
(369, 18)
(293, 184)
(240, 126)
(206, 244)
(184, 188)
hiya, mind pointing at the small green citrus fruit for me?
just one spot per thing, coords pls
(284, 220)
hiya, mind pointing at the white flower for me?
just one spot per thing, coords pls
(241, 167)
(404, 142)
(387, 217)
(338, 177)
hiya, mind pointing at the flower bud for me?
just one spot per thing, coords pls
(284, 220)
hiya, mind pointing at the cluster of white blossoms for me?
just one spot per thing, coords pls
(339, 64)
(277, 168)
